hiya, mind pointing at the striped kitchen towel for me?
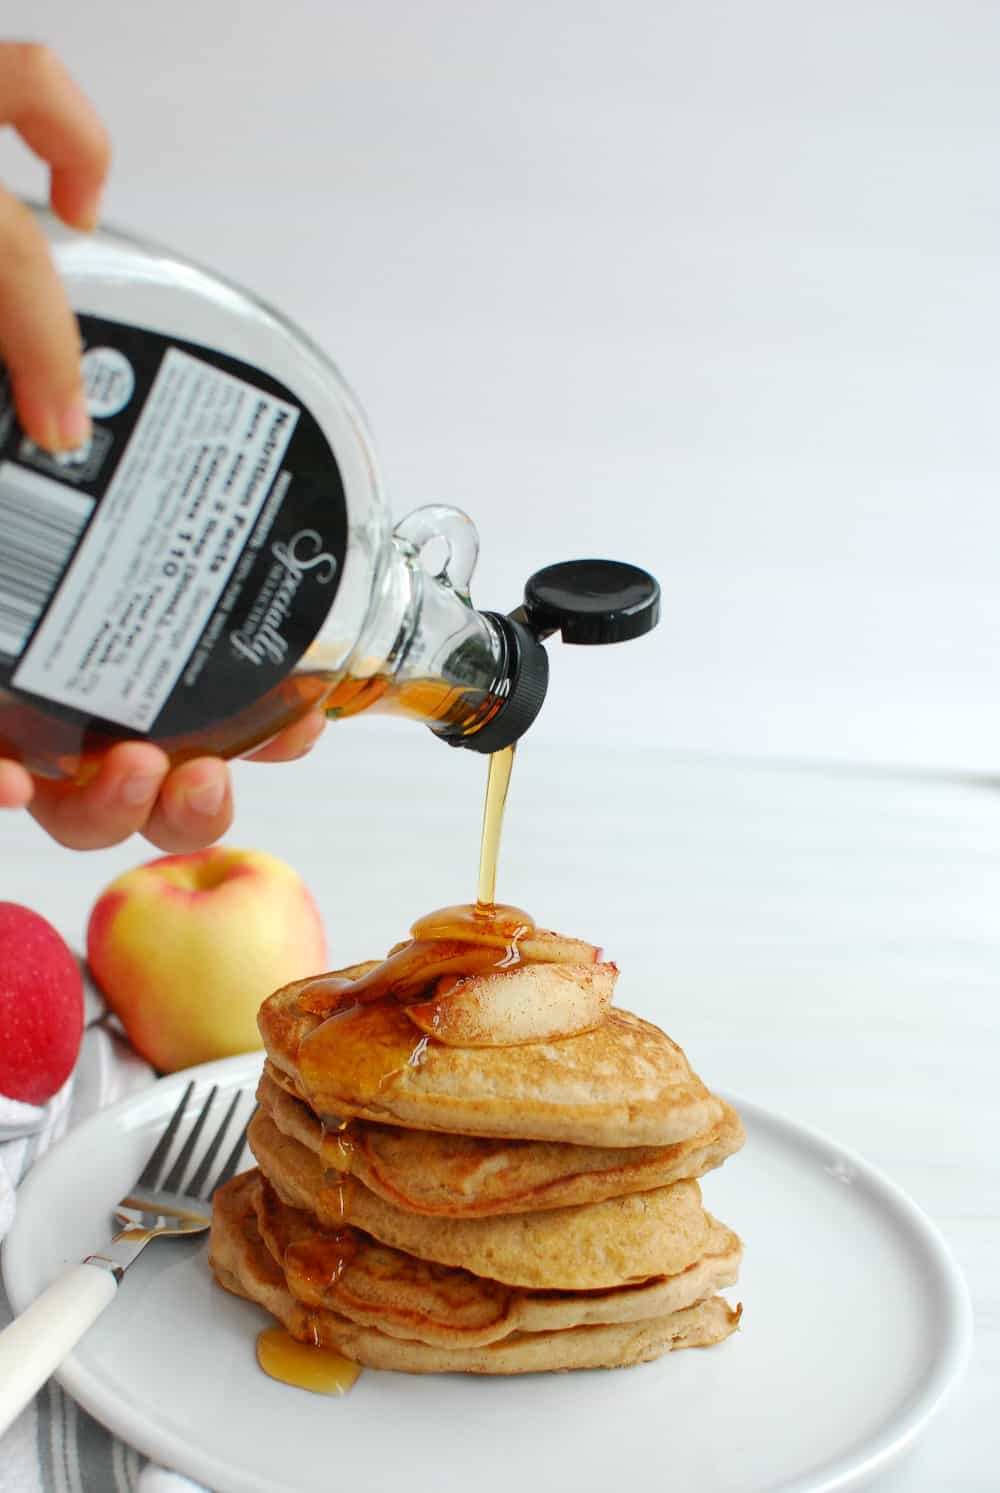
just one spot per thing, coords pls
(54, 1446)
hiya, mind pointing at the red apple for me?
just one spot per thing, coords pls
(187, 947)
(41, 1006)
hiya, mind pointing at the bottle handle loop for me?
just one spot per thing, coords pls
(423, 526)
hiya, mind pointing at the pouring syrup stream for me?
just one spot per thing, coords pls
(497, 784)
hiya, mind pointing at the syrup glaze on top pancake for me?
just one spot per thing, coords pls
(622, 1084)
(462, 1176)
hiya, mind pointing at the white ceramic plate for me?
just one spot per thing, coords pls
(856, 1323)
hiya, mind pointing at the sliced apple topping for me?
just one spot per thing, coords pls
(457, 943)
(544, 947)
(529, 1003)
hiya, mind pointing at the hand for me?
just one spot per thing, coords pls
(135, 790)
(39, 341)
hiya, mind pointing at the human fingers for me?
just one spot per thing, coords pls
(55, 119)
(16, 786)
(295, 741)
(115, 804)
(194, 807)
(39, 340)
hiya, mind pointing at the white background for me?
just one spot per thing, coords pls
(717, 288)
(711, 286)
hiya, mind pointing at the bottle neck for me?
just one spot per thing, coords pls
(425, 652)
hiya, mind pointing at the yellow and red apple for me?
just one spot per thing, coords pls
(186, 947)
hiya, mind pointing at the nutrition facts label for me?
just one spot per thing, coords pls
(194, 490)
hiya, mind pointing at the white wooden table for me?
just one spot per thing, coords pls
(826, 943)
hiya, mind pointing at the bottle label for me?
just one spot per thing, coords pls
(178, 567)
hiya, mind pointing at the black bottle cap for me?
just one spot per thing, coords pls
(586, 601)
(527, 673)
(591, 601)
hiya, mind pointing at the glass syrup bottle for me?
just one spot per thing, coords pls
(220, 559)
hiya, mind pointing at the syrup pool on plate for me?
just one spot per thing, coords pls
(320, 1370)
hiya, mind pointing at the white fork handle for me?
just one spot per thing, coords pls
(37, 1341)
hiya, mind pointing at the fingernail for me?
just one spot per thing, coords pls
(139, 789)
(207, 798)
(73, 423)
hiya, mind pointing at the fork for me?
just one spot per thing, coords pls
(161, 1203)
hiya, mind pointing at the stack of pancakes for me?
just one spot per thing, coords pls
(432, 1195)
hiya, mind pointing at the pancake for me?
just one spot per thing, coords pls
(621, 1084)
(349, 1273)
(243, 1265)
(459, 1176)
(616, 1242)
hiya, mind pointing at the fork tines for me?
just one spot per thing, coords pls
(151, 1176)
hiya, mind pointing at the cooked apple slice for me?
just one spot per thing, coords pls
(552, 948)
(506, 1008)
(415, 968)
